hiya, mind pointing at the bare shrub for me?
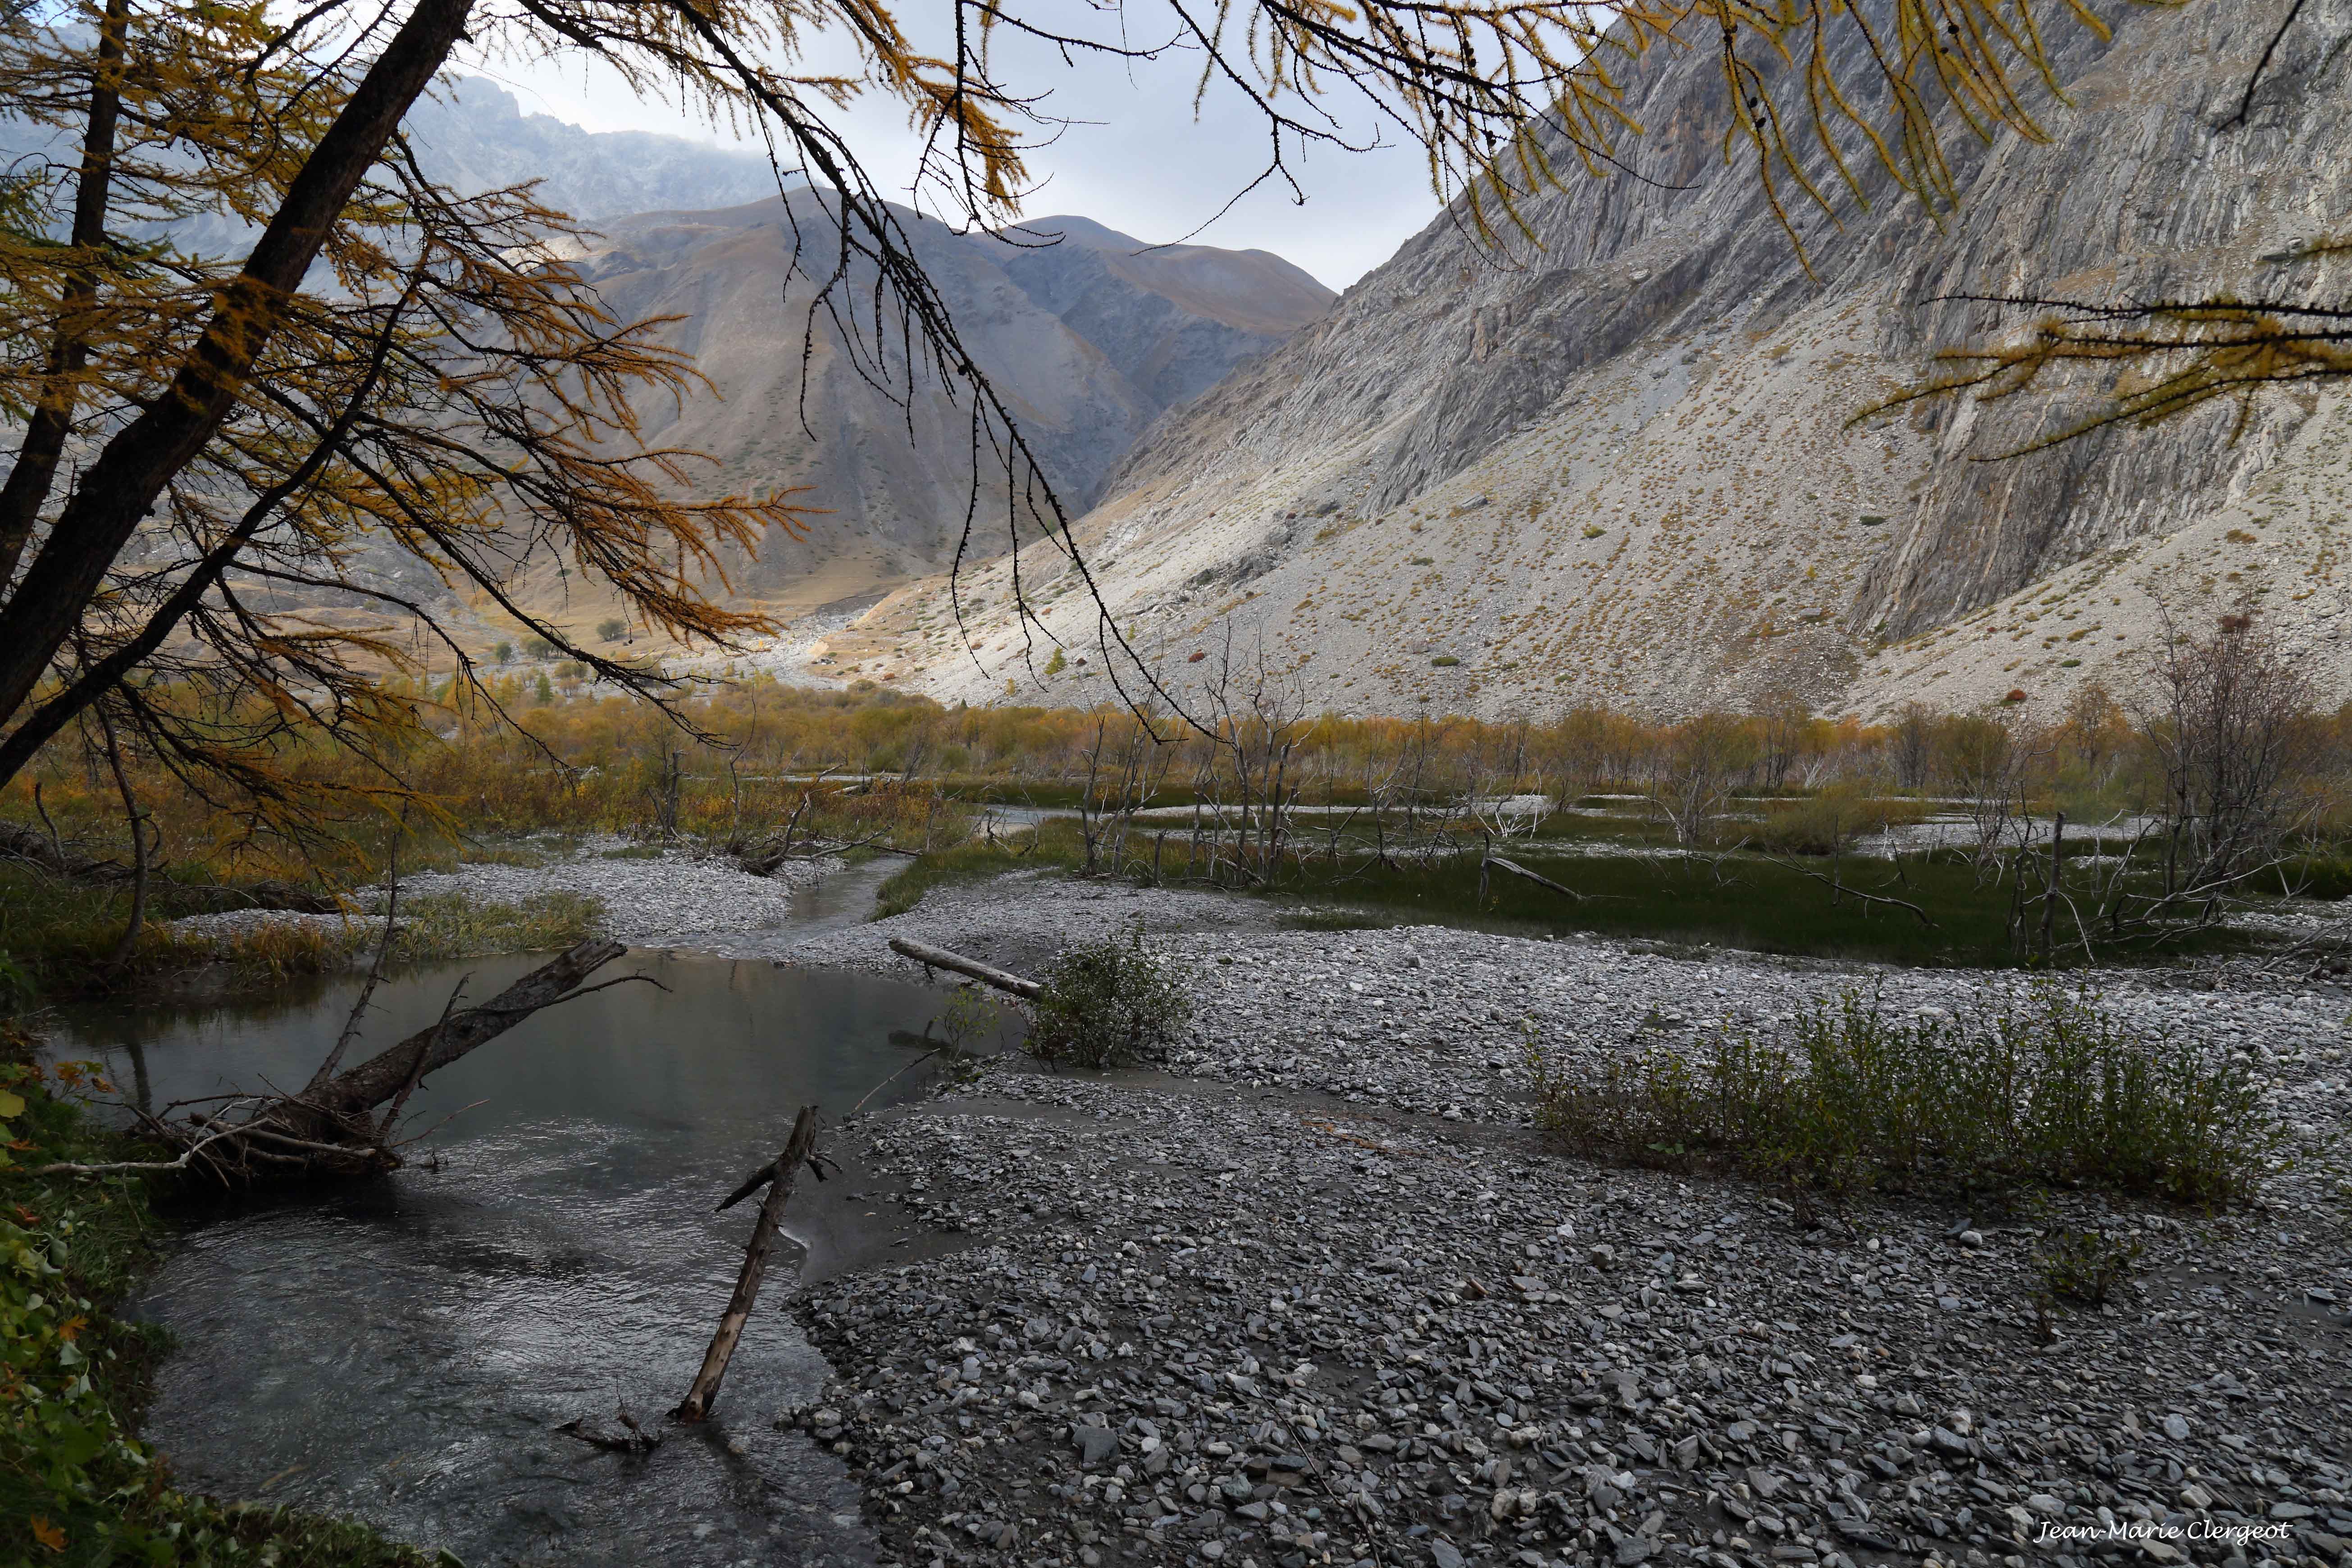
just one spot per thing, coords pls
(2225, 726)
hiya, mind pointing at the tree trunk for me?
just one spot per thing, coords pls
(429, 1050)
(119, 489)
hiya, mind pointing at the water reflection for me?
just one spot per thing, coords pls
(402, 1350)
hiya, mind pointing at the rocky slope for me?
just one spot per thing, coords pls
(1616, 461)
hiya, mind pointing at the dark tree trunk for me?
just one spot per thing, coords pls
(116, 492)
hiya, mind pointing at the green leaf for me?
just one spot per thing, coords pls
(12, 1104)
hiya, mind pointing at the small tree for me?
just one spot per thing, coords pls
(2226, 727)
(1910, 745)
(1692, 769)
(612, 629)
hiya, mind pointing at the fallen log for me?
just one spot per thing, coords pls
(924, 953)
(328, 1127)
(798, 1150)
(378, 1079)
(1537, 877)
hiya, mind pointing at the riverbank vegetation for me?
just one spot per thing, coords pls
(77, 1485)
(2038, 1088)
(2122, 827)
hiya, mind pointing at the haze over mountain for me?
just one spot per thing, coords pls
(473, 136)
(1617, 465)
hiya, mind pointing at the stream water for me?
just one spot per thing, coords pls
(404, 1350)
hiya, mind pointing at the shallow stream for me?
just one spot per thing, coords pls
(404, 1349)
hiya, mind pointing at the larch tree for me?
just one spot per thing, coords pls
(206, 444)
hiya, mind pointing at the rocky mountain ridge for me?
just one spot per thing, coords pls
(1088, 335)
(1619, 462)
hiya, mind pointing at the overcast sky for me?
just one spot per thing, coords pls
(1136, 159)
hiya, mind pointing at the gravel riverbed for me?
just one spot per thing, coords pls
(1318, 1294)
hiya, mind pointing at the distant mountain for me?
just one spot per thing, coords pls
(473, 136)
(1088, 335)
(1174, 318)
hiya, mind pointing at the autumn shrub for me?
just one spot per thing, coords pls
(1828, 821)
(2039, 1085)
(1108, 1003)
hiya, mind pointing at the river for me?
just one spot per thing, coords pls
(404, 1349)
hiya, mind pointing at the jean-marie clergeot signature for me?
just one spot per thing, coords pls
(2139, 1530)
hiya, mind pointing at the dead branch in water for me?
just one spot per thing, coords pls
(799, 1150)
(330, 1128)
(1537, 877)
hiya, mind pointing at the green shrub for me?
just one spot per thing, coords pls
(76, 1486)
(1108, 1004)
(1445, 661)
(2084, 1266)
(612, 630)
(968, 1021)
(2043, 1087)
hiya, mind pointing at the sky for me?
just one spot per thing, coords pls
(1134, 155)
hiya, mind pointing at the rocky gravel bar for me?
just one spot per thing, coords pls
(1319, 1293)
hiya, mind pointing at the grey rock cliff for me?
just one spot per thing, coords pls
(1618, 445)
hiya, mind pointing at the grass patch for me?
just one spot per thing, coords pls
(451, 925)
(76, 1486)
(2044, 1088)
(1108, 1004)
(60, 937)
(1821, 824)
(1746, 902)
(1055, 844)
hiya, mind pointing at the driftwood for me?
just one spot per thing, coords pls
(330, 1128)
(1537, 877)
(932, 957)
(632, 1437)
(777, 1177)
(1839, 890)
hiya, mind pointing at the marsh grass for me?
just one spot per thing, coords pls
(2040, 1087)
(1740, 900)
(59, 938)
(1055, 844)
(451, 925)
